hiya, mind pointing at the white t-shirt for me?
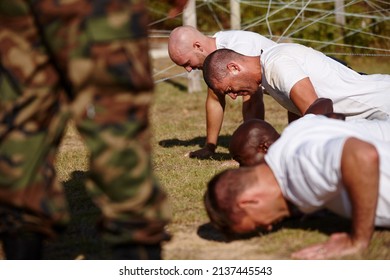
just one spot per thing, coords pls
(244, 42)
(355, 95)
(306, 162)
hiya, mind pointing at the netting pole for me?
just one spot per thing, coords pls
(235, 15)
(189, 18)
(340, 16)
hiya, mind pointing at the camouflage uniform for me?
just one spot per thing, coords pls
(100, 49)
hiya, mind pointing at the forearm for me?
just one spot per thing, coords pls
(253, 106)
(360, 173)
(214, 117)
(303, 95)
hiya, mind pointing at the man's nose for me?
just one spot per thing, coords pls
(188, 68)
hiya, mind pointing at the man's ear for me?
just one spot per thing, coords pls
(263, 148)
(233, 68)
(197, 46)
(247, 200)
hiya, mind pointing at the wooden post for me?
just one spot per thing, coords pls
(340, 17)
(339, 12)
(189, 18)
(235, 15)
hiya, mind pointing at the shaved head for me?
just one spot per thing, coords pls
(187, 47)
(228, 72)
(221, 195)
(215, 65)
(180, 40)
(251, 140)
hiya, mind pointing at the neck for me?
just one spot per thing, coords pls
(210, 44)
(255, 67)
(281, 205)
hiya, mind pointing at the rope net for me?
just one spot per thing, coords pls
(338, 28)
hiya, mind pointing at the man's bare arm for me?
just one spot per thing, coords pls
(360, 171)
(303, 95)
(215, 107)
(305, 98)
(253, 106)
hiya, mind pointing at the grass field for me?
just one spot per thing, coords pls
(178, 120)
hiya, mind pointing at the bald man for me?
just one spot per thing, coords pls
(188, 48)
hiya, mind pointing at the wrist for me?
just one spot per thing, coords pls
(211, 147)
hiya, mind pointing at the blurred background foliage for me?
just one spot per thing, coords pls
(313, 23)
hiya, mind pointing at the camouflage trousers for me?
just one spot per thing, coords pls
(100, 49)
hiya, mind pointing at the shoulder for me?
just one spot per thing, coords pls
(286, 49)
(285, 53)
(241, 34)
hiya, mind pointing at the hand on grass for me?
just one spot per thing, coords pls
(338, 245)
(204, 153)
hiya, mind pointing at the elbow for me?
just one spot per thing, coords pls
(367, 154)
(360, 158)
(372, 155)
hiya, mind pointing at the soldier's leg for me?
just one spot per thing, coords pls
(32, 202)
(110, 70)
(121, 182)
(23, 245)
(114, 123)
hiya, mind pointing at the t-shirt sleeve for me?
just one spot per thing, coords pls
(284, 72)
(313, 173)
